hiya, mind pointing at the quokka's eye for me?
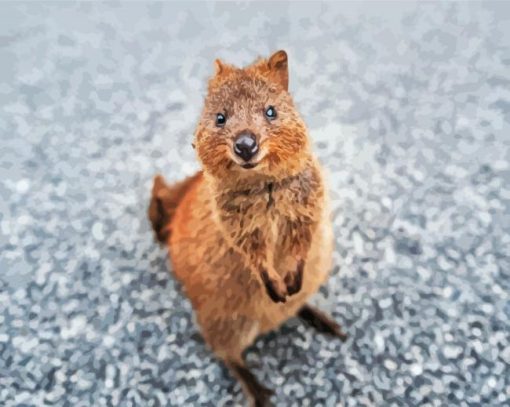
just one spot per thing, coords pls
(220, 119)
(271, 113)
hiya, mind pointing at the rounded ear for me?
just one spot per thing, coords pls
(219, 67)
(278, 67)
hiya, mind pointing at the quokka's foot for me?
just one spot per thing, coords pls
(259, 395)
(275, 287)
(322, 322)
(294, 280)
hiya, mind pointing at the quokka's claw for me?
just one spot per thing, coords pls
(294, 280)
(276, 290)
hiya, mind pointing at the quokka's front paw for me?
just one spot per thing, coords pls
(294, 279)
(275, 287)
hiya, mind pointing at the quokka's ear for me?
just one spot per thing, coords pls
(219, 67)
(278, 68)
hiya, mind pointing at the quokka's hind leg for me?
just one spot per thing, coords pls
(322, 322)
(228, 337)
(258, 394)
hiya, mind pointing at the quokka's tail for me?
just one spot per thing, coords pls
(164, 202)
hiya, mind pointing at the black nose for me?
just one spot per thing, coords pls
(246, 146)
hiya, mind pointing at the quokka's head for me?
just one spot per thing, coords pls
(249, 125)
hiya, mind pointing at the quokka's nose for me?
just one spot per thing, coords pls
(245, 146)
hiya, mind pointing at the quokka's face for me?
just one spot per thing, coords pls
(249, 124)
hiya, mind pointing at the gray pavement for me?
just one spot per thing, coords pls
(409, 110)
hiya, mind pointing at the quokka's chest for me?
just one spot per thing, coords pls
(272, 207)
(274, 216)
(265, 208)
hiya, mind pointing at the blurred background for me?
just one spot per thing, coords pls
(408, 107)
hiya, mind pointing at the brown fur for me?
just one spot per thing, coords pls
(250, 246)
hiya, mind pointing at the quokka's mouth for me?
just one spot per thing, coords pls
(243, 165)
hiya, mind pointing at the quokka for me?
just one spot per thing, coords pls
(250, 236)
